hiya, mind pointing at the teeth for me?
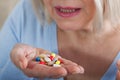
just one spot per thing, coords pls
(67, 10)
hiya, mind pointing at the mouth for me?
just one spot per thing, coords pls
(67, 11)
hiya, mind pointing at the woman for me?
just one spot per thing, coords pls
(85, 33)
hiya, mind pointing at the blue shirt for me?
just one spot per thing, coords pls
(22, 26)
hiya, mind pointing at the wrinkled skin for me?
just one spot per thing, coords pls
(23, 57)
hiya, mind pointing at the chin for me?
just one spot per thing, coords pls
(69, 25)
(70, 28)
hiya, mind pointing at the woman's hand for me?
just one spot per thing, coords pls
(22, 56)
(118, 72)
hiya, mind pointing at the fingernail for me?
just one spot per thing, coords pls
(81, 70)
(31, 56)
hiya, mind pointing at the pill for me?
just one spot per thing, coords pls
(53, 54)
(61, 61)
(42, 55)
(47, 59)
(37, 59)
(56, 65)
(42, 62)
(57, 62)
(41, 59)
(53, 61)
(51, 57)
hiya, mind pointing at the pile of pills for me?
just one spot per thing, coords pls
(49, 59)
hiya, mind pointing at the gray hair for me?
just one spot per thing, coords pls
(41, 11)
(106, 10)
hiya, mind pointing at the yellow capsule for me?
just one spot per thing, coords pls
(53, 54)
(57, 62)
(42, 55)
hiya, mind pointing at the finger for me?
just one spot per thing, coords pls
(72, 68)
(41, 71)
(22, 58)
(18, 58)
(25, 56)
(21, 61)
(67, 62)
(118, 64)
(42, 51)
(118, 75)
(26, 50)
(31, 55)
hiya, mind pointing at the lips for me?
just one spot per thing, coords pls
(67, 11)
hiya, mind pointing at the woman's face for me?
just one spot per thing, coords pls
(71, 14)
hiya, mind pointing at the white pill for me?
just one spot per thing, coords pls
(47, 59)
(56, 65)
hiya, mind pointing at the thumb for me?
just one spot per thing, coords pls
(24, 59)
(21, 60)
(18, 58)
(23, 63)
